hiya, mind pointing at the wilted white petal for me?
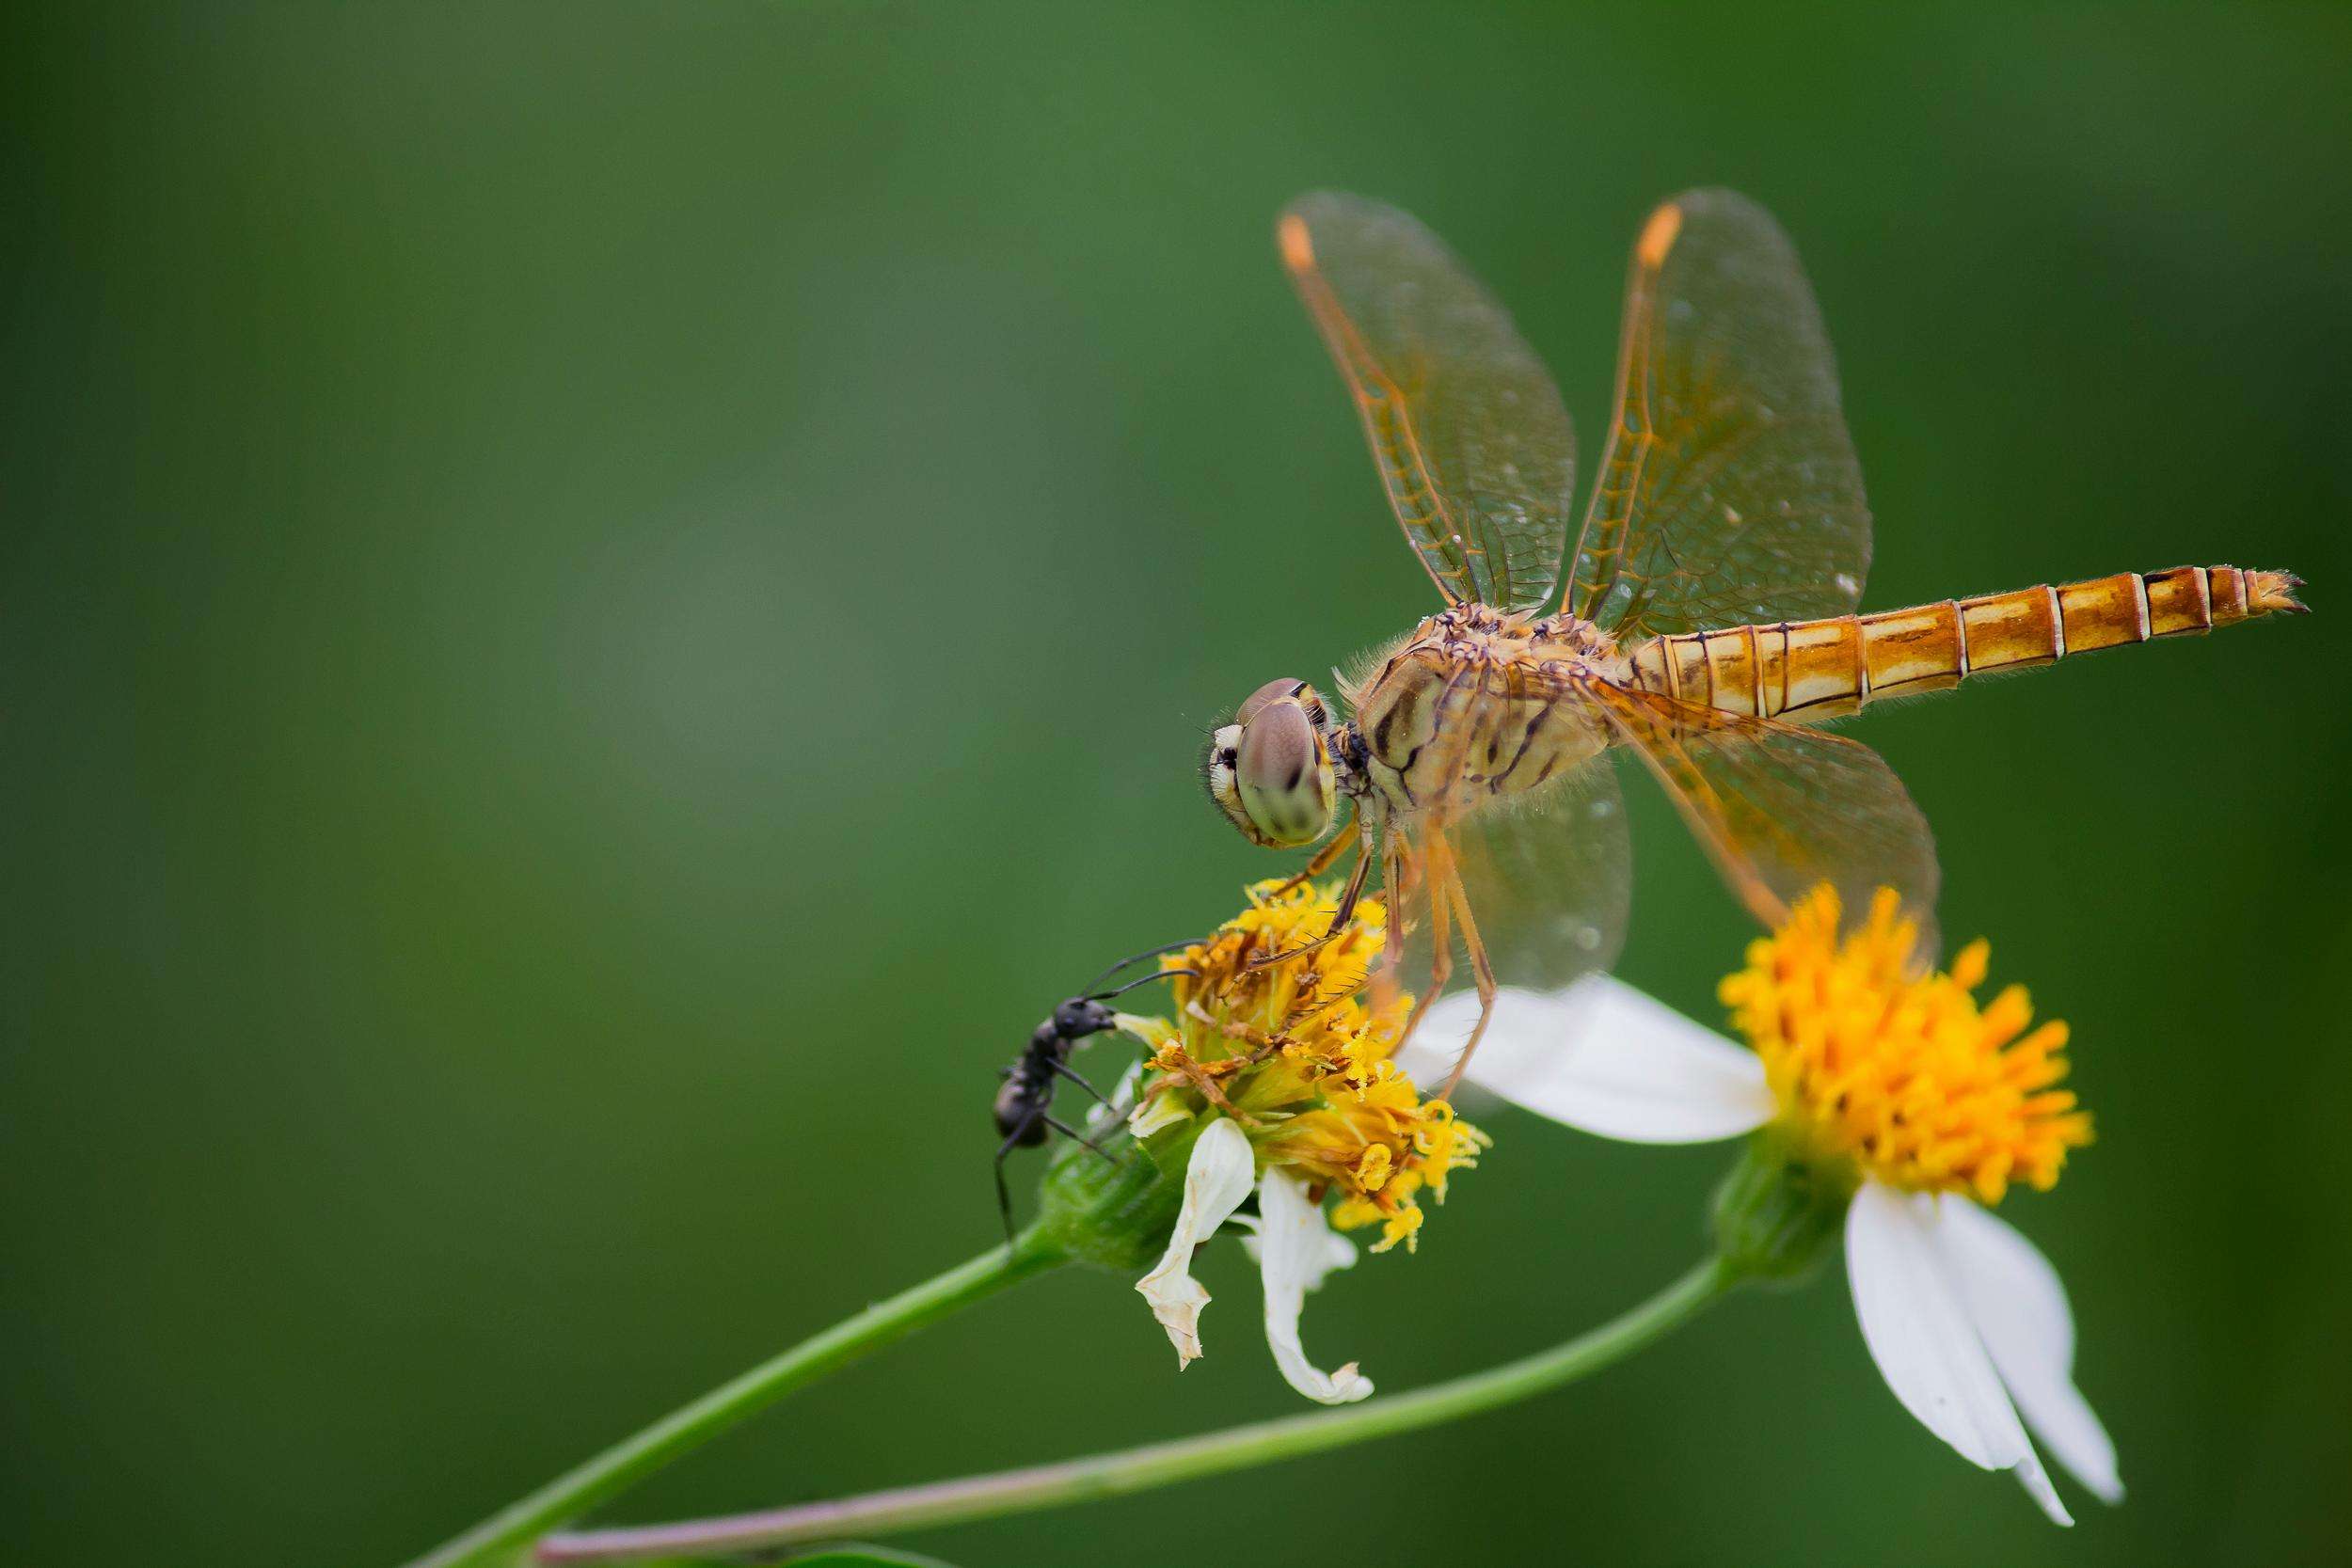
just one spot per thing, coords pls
(1296, 1248)
(1215, 1182)
(1601, 1056)
(2014, 1298)
(1925, 1345)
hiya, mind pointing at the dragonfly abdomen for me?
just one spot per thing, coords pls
(1815, 670)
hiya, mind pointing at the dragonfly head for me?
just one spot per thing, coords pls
(1269, 770)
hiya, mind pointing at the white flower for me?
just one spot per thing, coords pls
(1295, 1249)
(1965, 1318)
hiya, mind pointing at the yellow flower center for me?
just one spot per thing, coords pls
(1907, 1077)
(1276, 1034)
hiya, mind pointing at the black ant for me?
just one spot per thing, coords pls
(1025, 1104)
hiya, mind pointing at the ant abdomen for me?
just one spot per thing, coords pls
(1016, 1113)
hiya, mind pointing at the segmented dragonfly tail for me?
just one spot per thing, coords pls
(1812, 669)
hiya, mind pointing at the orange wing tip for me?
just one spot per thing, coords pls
(1658, 236)
(1298, 251)
(2270, 592)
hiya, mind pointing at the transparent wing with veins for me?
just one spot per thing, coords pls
(1728, 492)
(1472, 442)
(1783, 808)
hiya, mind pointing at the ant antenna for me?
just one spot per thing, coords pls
(1140, 980)
(1136, 959)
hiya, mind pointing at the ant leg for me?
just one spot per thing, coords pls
(1004, 1194)
(1069, 1131)
(1064, 1069)
(1482, 972)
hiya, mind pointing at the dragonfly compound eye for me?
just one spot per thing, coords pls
(1270, 691)
(1283, 775)
(1273, 692)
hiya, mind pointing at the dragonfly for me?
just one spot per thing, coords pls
(1703, 617)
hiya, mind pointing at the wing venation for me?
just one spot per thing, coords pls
(1783, 808)
(1473, 445)
(1728, 492)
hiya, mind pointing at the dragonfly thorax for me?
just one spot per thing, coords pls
(1478, 703)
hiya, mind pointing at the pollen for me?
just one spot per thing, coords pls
(1274, 1028)
(1906, 1076)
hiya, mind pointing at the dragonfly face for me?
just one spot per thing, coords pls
(1700, 618)
(1270, 770)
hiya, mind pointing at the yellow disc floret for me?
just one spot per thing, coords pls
(1905, 1076)
(1272, 1030)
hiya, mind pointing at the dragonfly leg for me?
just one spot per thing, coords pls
(1355, 889)
(1339, 997)
(1323, 858)
(1396, 887)
(1482, 972)
(1349, 898)
(1437, 873)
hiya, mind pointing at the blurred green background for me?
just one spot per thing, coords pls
(603, 605)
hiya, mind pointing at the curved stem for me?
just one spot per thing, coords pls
(502, 1538)
(1111, 1475)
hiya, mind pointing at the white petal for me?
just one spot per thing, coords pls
(1215, 1182)
(1924, 1343)
(2014, 1298)
(1601, 1056)
(1296, 1248)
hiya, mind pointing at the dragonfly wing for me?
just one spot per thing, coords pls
(1547, 872)
(1472, 442)
(1730, 492)
(1547, 880)
(1783, 808)
(1549, 877)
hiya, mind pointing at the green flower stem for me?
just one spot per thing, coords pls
(1111, 1475)
(502, 1538)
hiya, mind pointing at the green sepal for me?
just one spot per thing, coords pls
(1115, 1213)
(1777, 1211)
